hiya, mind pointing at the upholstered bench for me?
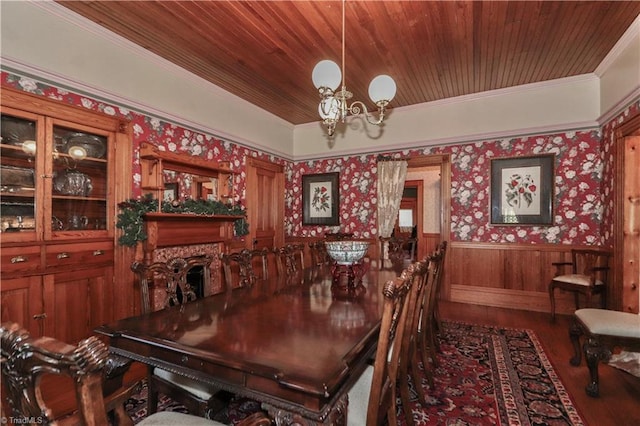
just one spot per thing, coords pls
(604, 330)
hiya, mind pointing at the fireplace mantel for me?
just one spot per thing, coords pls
(183, 229)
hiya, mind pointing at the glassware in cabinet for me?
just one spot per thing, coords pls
(18, 174)
(80, 181)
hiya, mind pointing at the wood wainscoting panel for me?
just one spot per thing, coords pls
(512, 299)
(505, 275)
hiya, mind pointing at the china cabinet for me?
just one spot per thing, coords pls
(58, 206)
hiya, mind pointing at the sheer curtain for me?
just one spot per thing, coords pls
(391, 177)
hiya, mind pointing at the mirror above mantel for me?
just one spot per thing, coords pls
(170, 176)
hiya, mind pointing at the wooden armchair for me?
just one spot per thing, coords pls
(26, 360)
(587, 275)
(199, 398)
(604, 331)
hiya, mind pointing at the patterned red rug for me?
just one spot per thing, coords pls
(486, 376)
(493, 376)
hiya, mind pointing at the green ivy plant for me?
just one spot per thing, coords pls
(131, 222)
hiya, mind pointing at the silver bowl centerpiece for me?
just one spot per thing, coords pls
(347, 252)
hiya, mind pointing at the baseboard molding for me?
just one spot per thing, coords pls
(513, 299)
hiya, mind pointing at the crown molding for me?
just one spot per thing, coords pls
(459, 140)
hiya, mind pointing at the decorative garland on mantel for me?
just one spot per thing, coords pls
(131, 216)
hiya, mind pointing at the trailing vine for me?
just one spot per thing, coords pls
(132, 211)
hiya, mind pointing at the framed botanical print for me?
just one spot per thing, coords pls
(522, 190)
(320, 199)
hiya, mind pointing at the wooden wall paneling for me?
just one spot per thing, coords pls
(475, 265)
(505, 275)
(624, 293)
(126, 299)
(429, 242)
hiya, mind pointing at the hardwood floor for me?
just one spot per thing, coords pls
(619, 401)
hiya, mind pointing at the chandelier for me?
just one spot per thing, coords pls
(334, 104)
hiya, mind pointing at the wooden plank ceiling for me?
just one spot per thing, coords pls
(264, 51)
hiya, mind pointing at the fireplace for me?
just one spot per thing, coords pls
(184, 235)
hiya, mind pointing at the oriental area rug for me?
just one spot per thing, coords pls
(486, 376)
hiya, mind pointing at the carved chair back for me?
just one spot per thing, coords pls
(26, 360)
(290, 259)
(238, 267)
(172, 277)
(319, 255)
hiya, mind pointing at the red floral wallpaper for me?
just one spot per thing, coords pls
(582, 176)
(578, 198)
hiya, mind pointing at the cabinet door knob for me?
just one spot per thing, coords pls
(63, 255)
(40, 316)
(46, 176)
(98, 252)
(19, 259)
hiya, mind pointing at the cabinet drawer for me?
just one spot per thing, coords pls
(20, 259)
(79, 255)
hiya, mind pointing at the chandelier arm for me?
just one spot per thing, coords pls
(358, 107)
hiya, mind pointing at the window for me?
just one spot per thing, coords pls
(405, 218)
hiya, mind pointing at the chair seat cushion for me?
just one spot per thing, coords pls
(359, 399)
(577, 279)
(610, 323)
(172, 418)
(200, 389)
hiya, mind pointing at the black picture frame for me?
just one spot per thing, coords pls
(320, 199)
(522, 190)
(170, 192)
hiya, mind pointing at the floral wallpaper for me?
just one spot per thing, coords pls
(583, 176)
(577, 203)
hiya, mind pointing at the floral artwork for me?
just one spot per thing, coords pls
(522, 190)
(321, 199)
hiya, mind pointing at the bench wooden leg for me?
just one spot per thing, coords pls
(594, 352)
(575, 332)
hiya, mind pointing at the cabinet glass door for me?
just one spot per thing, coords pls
(79, 171)
(18, 182)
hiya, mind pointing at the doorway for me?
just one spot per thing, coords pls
(432, 174)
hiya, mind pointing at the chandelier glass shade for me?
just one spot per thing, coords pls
(335, 104)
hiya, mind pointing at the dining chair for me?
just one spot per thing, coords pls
(429, 325)
(587, 276)
(171, 276)
(319, 256)
(290, 259)
(395, 253)
(238, 268)
(441, 249)
(263, 256)
(26, 360)
(373, 396)
(418, 272)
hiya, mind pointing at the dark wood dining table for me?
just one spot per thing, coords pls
(296, 345)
